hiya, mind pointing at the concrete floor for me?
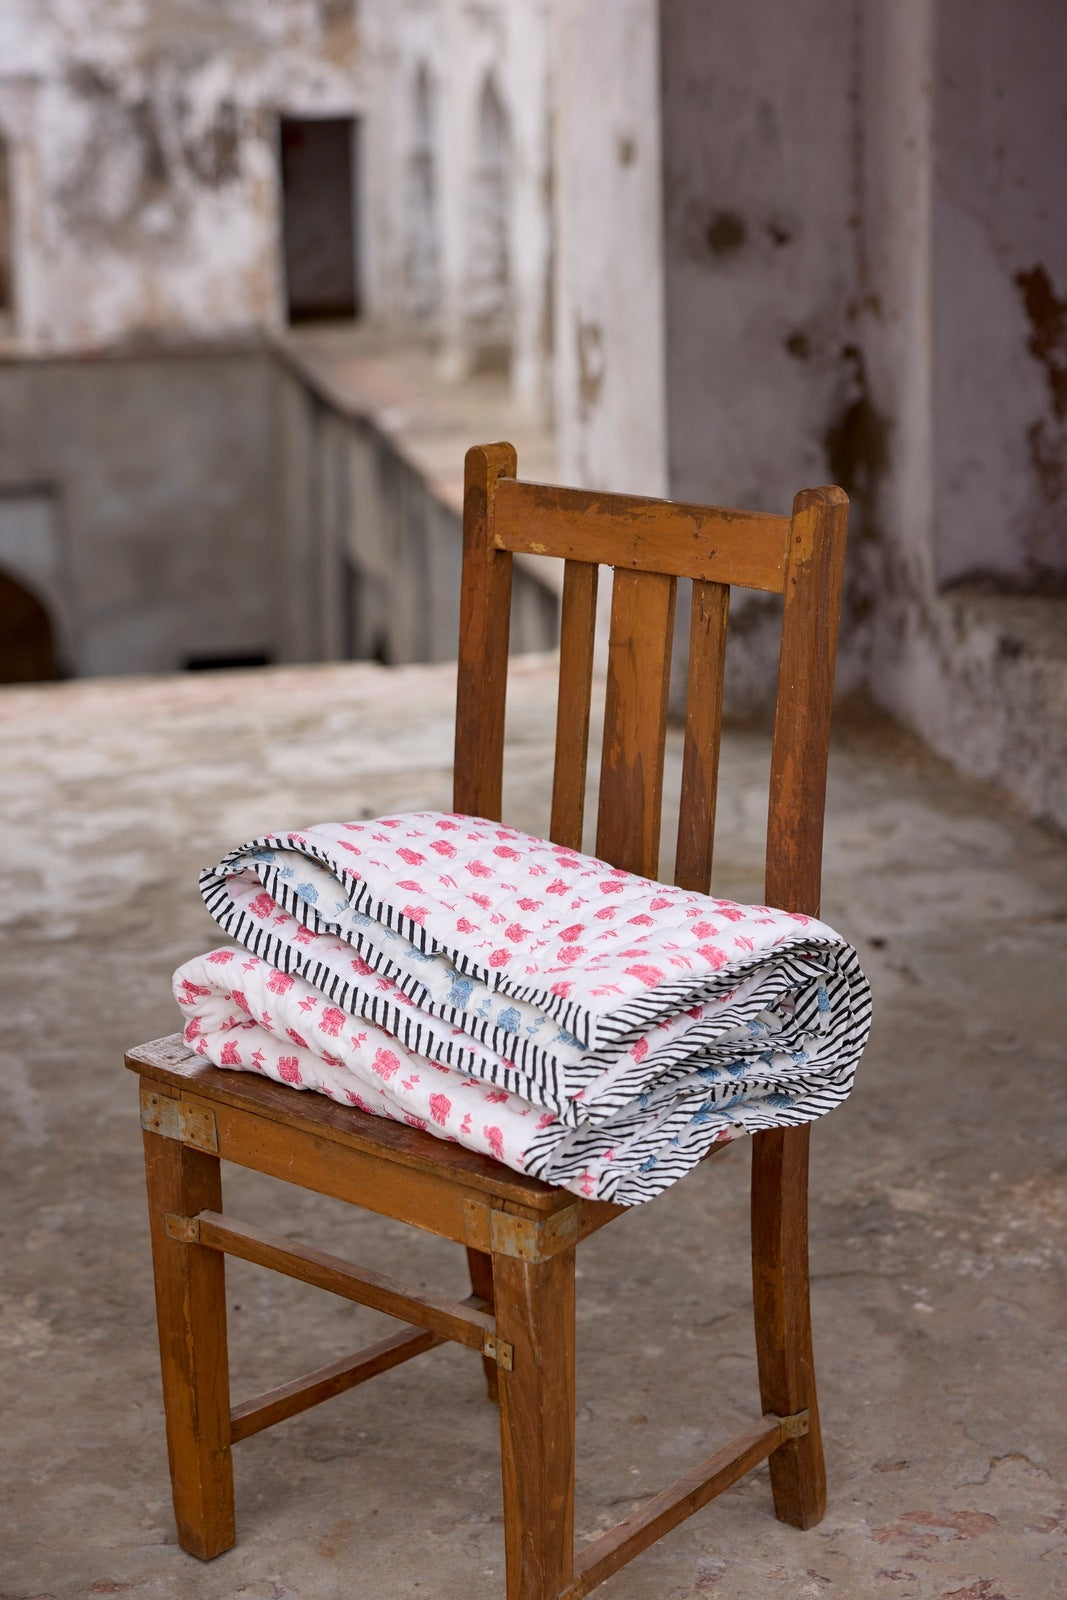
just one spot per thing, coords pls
(940, 1192)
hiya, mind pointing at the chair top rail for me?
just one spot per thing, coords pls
(747, 548)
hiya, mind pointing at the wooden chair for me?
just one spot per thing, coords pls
(521, 1234)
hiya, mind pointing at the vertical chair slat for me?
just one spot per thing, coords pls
(635, 720)
(703, 730)
(484, 621)
(814, 568)
(577, 634)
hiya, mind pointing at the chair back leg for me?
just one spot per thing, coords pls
(480, 1266)
(191, 1313)
(783, 1317)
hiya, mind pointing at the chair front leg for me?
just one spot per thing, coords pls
(783, 1317)
(191, 1313)
(535, 1316)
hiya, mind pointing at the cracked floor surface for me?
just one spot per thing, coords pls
(939, 1191)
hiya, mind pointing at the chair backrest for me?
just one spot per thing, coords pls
(650, 544)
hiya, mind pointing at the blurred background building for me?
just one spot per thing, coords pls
(266, 266)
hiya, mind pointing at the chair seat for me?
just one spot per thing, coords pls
(181, 1072)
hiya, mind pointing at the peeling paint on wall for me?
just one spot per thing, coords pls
(145, 150)
(856, 438)
(147, 203)
(1046, 436)
(1047, 314)
(589, 341)
(725, 233)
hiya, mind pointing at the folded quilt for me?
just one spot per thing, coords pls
(589, 1027)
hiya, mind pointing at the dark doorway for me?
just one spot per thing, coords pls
(27, 649)
(319, 163)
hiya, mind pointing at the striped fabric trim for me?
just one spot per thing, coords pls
(633, 1093)
(549, 1077)
(549, 1083)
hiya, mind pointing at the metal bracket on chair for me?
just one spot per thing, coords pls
(176, 1119)
(502, 1233)
(796, 1426)
(185, 1229)
(499, 1350)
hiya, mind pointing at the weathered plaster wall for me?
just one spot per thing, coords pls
(983, 678)
(610, 395)
(766, 385)
(1000, 290)
(896, 314)
(144, 157)
(145, 162)
(429, 64)
(801, 242)
(759, 126)
(866, 266)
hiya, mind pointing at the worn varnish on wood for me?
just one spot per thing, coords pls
(521, 1235)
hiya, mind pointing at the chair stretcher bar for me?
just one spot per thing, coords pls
(687, 1494)
(464, 1322)
(289, 1399)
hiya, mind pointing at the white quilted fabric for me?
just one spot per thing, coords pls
(582, 1024)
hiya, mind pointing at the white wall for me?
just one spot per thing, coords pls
(147, 200)
(609, 304)
(146, 182)
(461, 47)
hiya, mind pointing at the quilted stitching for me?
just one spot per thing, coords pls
(633, 1022)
